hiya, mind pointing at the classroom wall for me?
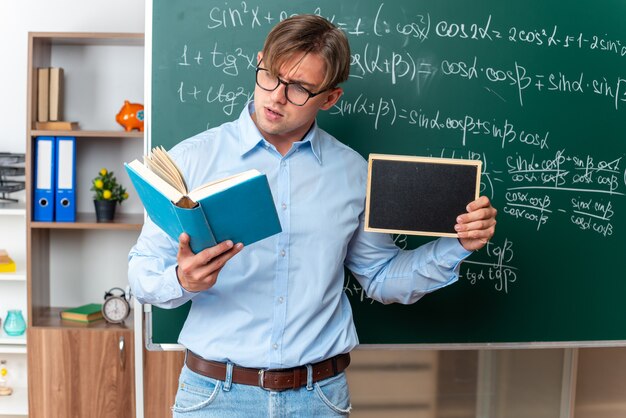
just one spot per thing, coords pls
(17, 18)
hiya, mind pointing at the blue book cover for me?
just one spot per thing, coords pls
(239, 208)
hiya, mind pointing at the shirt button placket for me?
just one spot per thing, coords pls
(282, 264)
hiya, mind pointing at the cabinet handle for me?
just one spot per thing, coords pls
(122, 352)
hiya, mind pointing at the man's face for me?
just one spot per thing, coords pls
(282, 122)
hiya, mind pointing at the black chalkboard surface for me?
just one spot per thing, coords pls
(536, 90)
(418, 195)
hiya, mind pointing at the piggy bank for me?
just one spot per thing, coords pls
(130, 116)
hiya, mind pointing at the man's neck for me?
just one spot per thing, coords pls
(282, 143)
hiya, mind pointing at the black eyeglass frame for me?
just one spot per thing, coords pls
(287, 84)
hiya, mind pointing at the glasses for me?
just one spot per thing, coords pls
(294, 92)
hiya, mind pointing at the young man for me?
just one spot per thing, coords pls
(270, 328)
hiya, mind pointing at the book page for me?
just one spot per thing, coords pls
(162, 172)
(163, 163)
(164, 166)
(216, 186)
(160, 156)
(155, 180)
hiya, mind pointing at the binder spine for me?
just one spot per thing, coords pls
(65, 198)
(44, 179)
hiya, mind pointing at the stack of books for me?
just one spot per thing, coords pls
(50, 100)
(85, 313)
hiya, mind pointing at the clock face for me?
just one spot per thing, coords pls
(115, 309)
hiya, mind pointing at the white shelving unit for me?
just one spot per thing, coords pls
(16, 404)
(19, 275)
(12, 344)
(13, 296)
(10, 208)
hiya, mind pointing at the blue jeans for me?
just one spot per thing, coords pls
(200, 396)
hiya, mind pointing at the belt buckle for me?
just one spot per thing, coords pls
(262, 379)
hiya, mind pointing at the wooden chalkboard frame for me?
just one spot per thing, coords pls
(382, 184)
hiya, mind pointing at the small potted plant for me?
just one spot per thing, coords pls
(107, 194)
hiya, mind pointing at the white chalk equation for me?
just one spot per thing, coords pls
(593, 184)
(592, 214)
(408, 67)
(421, 25)
(229, 99)
(568, 172)
(519, 77)
(229, 62)
(497, 269)
(385, 111)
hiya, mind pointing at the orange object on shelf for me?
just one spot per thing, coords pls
(130, 116)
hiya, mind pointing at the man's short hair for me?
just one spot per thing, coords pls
(309, 34)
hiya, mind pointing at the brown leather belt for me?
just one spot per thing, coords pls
(276, 379)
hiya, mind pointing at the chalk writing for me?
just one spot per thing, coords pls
(231, 63)
(540, 102)
(497, 270)
(590, 214)
(353, 288)
(383, 109)
(420, 26)
(231, 99)
(519, 77)
(521, 205)
(565, 172)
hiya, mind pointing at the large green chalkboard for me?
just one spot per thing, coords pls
(534, 89)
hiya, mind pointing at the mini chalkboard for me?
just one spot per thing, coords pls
(419, 195)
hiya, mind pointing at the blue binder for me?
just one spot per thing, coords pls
(65, 199)
(45, 176)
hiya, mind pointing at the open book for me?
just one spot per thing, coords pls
(239, 208)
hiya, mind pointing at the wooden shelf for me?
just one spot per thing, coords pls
(122, 221)
(89, 134)
(51, 318)
(89, 38)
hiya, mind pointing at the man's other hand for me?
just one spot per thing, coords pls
(197, 272)
(478, 225)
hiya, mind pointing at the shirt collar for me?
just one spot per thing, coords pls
(250, 137)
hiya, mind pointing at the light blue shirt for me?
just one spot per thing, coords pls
(280, 302)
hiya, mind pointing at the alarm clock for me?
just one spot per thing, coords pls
(115, 308)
